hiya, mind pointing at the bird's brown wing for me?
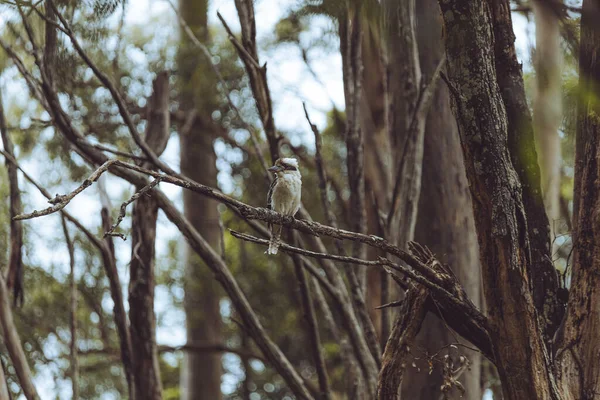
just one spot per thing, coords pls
(270, 196)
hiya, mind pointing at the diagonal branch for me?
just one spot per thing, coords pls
(457, 309)
(247, 51)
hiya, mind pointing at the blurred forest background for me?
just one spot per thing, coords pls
(174, 65)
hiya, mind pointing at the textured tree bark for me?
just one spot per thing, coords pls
(141, 283)
(524, 158)
(408, 323)
(497, 202)
(445, 217)
(579, 344)
(201, 371)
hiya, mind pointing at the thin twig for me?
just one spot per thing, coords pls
(116, 95)
(123, 209)
(117, 152)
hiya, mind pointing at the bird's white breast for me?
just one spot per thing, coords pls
(287, 194)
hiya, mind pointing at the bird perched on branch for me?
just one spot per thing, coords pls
(284, 195)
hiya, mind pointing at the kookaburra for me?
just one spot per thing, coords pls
(284, 195)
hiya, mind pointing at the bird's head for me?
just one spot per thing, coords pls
(285, 166)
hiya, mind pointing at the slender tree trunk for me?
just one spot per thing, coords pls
(497, 202)
(578, 339)
(201, 373)
(11, 340)
(445, 220)
(141, 284)
(14, 272)
(547, 106)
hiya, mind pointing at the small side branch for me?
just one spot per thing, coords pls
(123, 209)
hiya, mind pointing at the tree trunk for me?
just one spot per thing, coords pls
(579, 349)
(141, 284)
(201, 373)
(497, 202)
(445, 217)
(547, 106)
(524, 158)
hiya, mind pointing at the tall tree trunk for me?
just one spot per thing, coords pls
(504, 245)
(524, 158)
(445, 220)
(201, 373)
(579, 343)
(547, 106)
(141, 283)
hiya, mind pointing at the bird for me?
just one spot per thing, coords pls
(284, 195)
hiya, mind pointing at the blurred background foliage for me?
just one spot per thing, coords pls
(132, 55)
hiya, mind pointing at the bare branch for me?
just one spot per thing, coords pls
(247, 51)
(407, 325)
(118, 99)
(123, 209)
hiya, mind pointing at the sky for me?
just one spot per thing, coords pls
(290, 83)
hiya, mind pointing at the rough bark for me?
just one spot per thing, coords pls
(547, 104)
(521, 145)
(396, 355)
(445, 217)
(201, 372)
(497, 202)
(579, 349)
(14, 272)
(141, 283)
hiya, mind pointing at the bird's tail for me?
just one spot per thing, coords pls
(275, 241)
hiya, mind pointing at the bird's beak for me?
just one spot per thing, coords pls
(276, 168)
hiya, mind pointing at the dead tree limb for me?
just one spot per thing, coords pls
(397, 350)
